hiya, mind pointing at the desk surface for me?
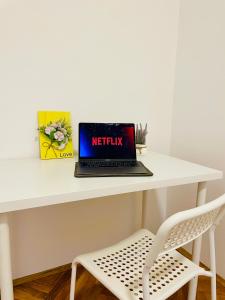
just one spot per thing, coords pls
(28, 183)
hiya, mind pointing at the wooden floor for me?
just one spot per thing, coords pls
(56, 287)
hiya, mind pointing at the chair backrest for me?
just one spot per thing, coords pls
(184, 227)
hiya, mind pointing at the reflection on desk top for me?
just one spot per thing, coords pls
(28, 183)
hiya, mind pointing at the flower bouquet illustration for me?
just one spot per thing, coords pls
(55, 136)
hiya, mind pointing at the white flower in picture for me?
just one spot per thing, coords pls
(49, 129)
(59, 136)
(63, 130)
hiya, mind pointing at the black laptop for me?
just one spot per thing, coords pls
(108, 149)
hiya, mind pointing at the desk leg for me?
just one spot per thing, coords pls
(5, 260)
(196, 251)
(143, 208)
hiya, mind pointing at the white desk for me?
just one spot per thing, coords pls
(30, 183)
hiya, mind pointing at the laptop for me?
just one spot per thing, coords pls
(108, 149)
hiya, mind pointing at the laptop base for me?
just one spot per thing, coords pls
(138, 170)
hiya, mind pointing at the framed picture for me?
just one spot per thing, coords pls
(55, 134)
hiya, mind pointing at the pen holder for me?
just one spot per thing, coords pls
(141, 149)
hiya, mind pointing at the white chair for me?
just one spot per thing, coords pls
(146, 266)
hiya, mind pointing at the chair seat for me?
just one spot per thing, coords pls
(119, 268)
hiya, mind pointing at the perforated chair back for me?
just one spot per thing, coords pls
(183, 227)
(188, 230)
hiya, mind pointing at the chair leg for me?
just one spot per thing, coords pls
(212, 262)
(201, 199)
(213, 288)
(193, 285)
(73, 280)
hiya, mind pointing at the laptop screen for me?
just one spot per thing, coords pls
(106, 141)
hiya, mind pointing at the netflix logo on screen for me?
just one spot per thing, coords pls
(107, 141)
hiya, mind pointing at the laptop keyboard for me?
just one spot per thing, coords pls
(102, 164)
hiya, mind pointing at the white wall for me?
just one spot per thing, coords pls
(198, 130)
(103, 61)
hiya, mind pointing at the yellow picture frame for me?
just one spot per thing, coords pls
(55, 135)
